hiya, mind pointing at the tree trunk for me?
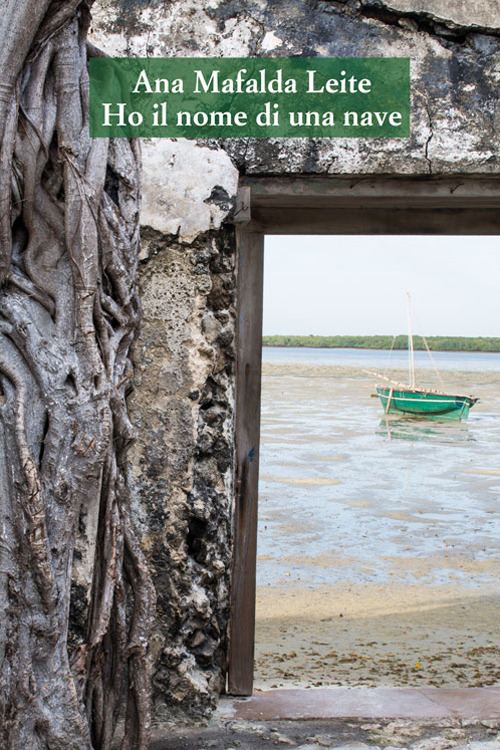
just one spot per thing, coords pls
(70, 231)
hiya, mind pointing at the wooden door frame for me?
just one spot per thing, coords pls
(453, 205)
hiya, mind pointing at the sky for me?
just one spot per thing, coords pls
(339, 285)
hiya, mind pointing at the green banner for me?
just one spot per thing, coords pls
(250, 97)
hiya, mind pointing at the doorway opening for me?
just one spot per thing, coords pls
(334, 206)
(377, 557)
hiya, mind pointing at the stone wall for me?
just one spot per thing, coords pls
(182, 464)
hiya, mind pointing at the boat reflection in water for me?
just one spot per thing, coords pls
(415, 428)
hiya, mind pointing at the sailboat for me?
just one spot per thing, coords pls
(421, 402)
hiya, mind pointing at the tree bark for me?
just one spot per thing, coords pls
(70, 232)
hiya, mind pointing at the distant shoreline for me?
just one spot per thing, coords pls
(436, 343)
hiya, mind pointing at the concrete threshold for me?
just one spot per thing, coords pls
(369, 703)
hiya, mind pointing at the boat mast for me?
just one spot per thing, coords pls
(410, 344)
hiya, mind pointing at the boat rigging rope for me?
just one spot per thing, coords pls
(389, 357)
(430, 354)
(433, 363)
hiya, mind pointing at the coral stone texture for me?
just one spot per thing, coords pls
(182, 463)
(183, 411)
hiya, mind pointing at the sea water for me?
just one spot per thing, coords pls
(345, 491)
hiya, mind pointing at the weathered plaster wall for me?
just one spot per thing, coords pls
(183, 406)
(477, 14)
(455, 70)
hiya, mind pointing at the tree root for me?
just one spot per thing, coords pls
(70, 312)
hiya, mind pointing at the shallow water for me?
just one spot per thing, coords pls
(468, 361)
(347, 494)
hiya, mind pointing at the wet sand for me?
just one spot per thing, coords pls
(378, 540)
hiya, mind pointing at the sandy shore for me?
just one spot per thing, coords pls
(368, 635)
(378, 540)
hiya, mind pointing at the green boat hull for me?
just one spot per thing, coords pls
(425, 404)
